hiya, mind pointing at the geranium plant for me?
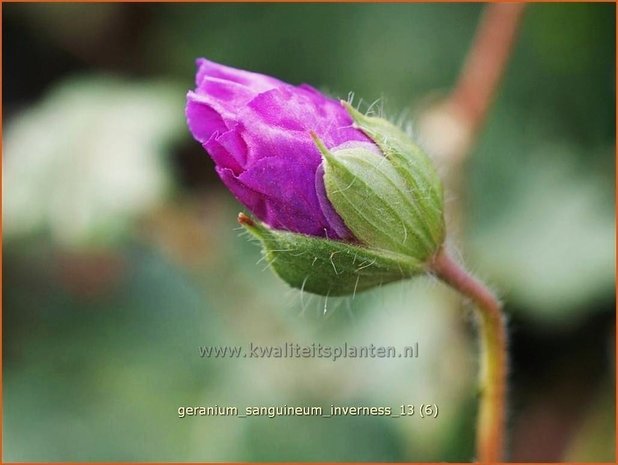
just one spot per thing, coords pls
(343, 202)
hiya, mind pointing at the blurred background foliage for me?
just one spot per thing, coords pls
(121, 252)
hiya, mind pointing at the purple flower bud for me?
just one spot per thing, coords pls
(257, 130)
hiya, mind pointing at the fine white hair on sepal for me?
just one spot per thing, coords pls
(321, 306)
(403, 119)
(350, 98)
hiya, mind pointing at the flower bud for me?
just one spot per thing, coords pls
(346, 202)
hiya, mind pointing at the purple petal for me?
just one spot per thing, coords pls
(257, 130)
(228, 150)
(267, 189)
(289, 108)
(333, 219)
(203, 120)
(255, 81)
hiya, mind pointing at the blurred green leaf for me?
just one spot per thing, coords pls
(89, 158)
(551, 250)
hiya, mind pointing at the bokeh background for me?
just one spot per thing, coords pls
(121, 254)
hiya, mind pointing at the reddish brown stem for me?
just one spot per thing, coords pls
(493, 366)
(486, 62)
(450, 128)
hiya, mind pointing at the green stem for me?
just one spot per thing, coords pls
(493, 353)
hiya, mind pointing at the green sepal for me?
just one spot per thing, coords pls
(412, 163)
(327, 267)
(390, 200)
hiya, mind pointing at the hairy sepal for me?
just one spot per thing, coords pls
(327, 267)
(391, 200)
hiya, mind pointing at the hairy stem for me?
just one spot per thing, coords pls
(493, 354)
